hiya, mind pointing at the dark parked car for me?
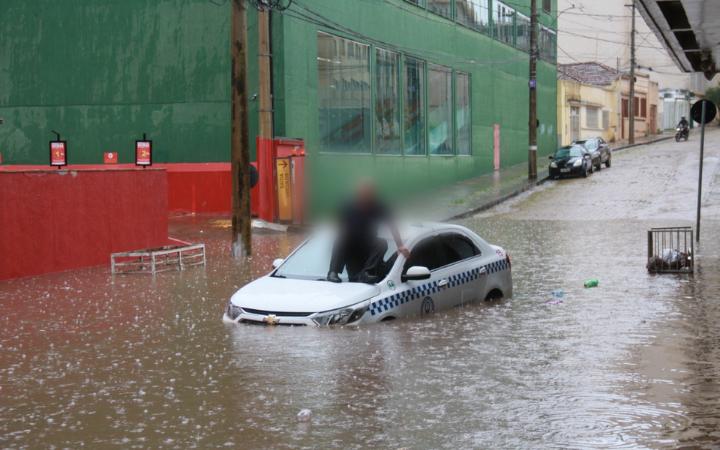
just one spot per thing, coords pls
(602, 154)
(571, 160)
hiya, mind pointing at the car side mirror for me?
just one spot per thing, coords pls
(416, 273)
(278, 262)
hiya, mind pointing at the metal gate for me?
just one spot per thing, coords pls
(671, 250)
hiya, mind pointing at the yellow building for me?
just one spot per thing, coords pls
(592, 101)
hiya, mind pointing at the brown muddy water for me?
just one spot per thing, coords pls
(92, 361)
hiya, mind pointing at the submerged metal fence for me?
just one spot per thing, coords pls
(671, 250)
(156, 260)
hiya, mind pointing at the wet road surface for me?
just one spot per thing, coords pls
(87, 360)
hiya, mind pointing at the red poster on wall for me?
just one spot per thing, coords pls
(58, 153)
(143, 153)
(110, 157)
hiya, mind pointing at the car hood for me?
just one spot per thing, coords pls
(290, 295)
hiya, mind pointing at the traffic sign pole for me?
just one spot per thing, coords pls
(700, 176)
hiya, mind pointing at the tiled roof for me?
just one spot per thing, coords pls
(592, 73)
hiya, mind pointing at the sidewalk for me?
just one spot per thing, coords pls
(644, 140)
(477, 194)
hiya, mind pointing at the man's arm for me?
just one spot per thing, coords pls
(398, 240)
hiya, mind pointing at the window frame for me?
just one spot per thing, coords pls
(547, 6)
(451, 97)
(424, 96)
(488, 18)
(456, 133)
(370, 151)
(399, 102)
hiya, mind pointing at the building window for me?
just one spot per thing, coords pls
(387, 97)
(606, 120)
(547, 6)
(441, 7)
(592, 117)
(463, 122)
(440, 111)
(474, 14)
(504, 21)
(414, 107)
(343, 95)
(547, 44)
(522, 25)
(643, 107)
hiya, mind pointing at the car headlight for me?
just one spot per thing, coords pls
(577, 163)
(553, 165)
(342, 316)
(233, 311)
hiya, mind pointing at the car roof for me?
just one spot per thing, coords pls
(410, 230)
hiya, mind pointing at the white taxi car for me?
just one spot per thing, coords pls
(449, 266)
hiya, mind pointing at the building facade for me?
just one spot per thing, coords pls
(408, 91)
(593, 101)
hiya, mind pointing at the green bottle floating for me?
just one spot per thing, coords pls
(592, 283)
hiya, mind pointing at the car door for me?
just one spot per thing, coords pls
(592, 146)
(604, 150)
(435, 293)
(469, 274)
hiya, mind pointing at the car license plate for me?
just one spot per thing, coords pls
(564, 170)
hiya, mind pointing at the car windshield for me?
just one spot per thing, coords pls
(311, 260)
(569, 152)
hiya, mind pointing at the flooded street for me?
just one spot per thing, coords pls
(88, 360)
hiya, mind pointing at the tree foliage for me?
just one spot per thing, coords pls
(713, 94)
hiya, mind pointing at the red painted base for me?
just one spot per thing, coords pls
(55, 220)
(191, 187)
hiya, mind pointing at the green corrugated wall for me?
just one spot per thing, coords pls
(499, 92)
(101, 72)
(104, 71)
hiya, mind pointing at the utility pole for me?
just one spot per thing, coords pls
(700, 176)
(532, 125)
(239, 149)
(631, 101)
(264, 68)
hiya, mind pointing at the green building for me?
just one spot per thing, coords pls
(408, 90)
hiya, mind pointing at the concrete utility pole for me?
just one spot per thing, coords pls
(264, 67)
(532, 125)
(631, 101)
(239, 148)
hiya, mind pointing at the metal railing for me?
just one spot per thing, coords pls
(671, 250)
(155, 260)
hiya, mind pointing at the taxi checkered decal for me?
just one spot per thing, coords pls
(400, 298)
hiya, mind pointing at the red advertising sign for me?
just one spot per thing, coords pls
(110, 157)
(143, 153)
(58, 153)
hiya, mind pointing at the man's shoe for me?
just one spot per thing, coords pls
(333, 277)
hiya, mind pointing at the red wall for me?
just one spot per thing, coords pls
(199, 188)
(53, 220)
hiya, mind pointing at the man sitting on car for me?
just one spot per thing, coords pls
(357, 246)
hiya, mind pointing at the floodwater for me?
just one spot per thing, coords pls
(88, 360)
